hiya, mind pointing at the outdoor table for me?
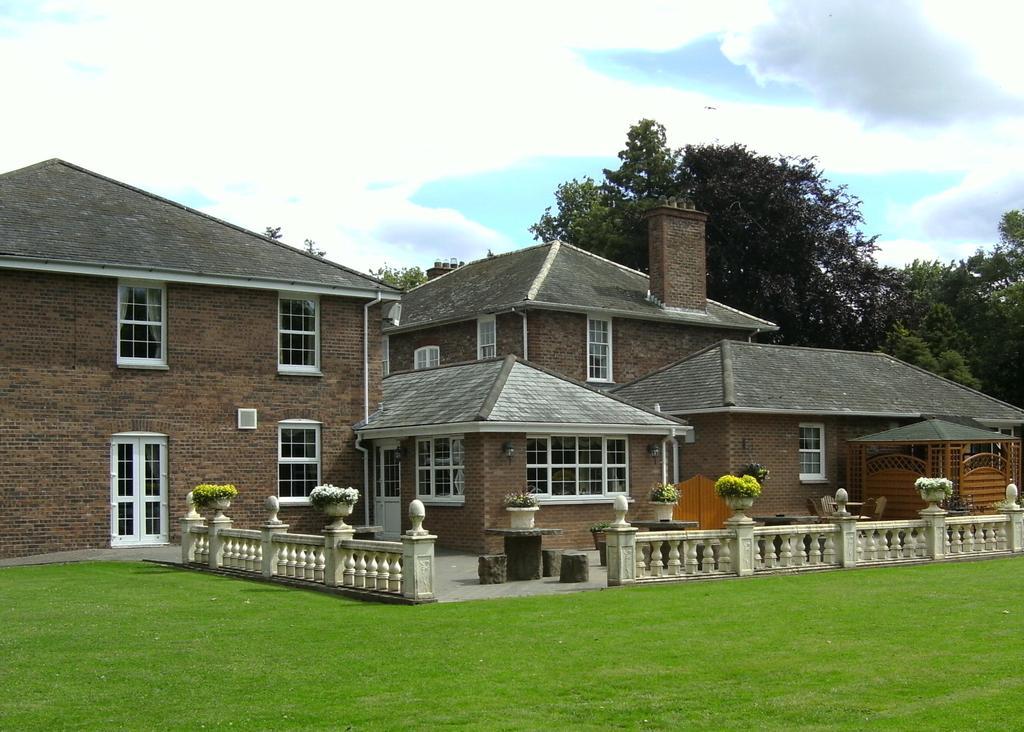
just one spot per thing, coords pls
(785, 520)
(665, 525)
(366, 532)
(522, 548)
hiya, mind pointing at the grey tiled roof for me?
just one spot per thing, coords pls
(556, 275)
(816, 380)
(505, 390)
(63, 213)
(932, 430)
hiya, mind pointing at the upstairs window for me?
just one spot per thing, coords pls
(486, 337)
(427, 357)
(812, 451)
(298, 335)
(141, 331)
(298, 460)
(599, 349)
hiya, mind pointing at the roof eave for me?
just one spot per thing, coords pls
(369, 432)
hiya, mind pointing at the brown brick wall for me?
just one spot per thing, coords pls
(63, 398)
(677, 254)
(490, 475)
(457, 341)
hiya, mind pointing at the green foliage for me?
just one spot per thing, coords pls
(206, 494)
(911, 348)
(599, 527)
(935, 485)
(272, 232)
(782, 242)
(738, 486)
(665, 493)
(309, 246)
(952, 366)
(757, 470)
(404, 278)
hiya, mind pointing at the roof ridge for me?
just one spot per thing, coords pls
(496, 388)
(604, 259)
(197, 212)
(728, 381)
(545, 268)
(489, 258)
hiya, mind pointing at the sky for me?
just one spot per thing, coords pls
(404, 132)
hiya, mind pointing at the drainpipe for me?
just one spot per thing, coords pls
(366, 404)
(526, 343)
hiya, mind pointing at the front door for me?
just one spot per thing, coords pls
(138, 488)
(388, 491)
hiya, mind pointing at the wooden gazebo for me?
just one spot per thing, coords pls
(979, 462)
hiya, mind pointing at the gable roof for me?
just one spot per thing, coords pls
(557, 276)
(58, 214)
(739, 376)
(934, 430)
(505, 393)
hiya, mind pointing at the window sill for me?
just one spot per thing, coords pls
(294, 501)
(814, 481)
(576, 500)
(298, 372)
(145, 366)
(428, 501)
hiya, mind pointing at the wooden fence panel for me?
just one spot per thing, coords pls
(700, 503)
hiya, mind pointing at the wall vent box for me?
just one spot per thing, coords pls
(246, 419)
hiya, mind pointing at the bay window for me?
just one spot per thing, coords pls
(440, 468)
(570, 466)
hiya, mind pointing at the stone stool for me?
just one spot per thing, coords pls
(492, 569)
(575, 567)
(551, 561)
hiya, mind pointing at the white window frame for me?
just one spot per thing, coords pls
(820, 426)
(385, 355)
(298, 424)
(608, 377)
(132, 361)
(424, 354)
(428, 496)
(486, 325)
(548, 496)
(300, 369)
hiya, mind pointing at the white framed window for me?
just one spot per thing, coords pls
(440, 469)
(141, 324)
(486, 337)
(427, 357)
(298, 459)
(298, 334)
(812, 451)
(570, 466)
(385, 354)
(599, 349)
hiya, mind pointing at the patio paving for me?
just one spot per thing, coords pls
(456, 577)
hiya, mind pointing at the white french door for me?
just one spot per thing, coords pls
(138, 490)
(388, 491)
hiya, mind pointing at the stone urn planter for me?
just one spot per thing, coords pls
(521, 518)
(739, 504)
(219, 506)
(337, 513)
(663, 511)
(933, 491)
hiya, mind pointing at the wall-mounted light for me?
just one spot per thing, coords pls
(399, 453)
(654, 450)
(508, 450)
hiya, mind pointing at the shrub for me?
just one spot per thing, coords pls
(740, 486)
(599, 527)
(521, 499)
(206, 494)
(328, 495)
(665, 493)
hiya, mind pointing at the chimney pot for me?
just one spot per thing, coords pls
(676, 248)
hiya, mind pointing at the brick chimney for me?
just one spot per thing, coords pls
(443, 267)
(676, 249)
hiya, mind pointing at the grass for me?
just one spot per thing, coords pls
(136, 646)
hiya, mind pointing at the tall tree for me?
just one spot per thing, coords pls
(782, 242)
(404, 278)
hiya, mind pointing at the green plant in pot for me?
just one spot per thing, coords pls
(335, 502)
(934, 490)
(665, 496)
(215, 496)
(521, 507)
(597, 531)
(738, 491)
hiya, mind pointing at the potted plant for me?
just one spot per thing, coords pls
(665, 496)
(521, 507)
(738, 492)
(212, 495)
(757, 470)
(600, 541)
(334, 501)
(934, 490)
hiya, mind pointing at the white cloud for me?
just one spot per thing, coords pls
(897, 252)
(972, 209)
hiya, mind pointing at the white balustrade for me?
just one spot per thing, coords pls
(664, 554)
(976, 534)
(891, 541)
(372, 565)
(795, 547)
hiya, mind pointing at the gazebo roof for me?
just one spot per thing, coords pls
(935, 430)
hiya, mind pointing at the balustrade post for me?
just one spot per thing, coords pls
(268, 565)
(847, 540)
(742, 527)
(217, 524)
(190, 519)
(1015, 518)
(621, 540)
(334, 558)
(934, 532)
(417, 556)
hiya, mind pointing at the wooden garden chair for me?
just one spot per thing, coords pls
(879, 508)
(814, 509)
(828, 507)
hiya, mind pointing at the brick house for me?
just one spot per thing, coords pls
(461, 436)
(571, 311)
(146, 347)
(793, 409)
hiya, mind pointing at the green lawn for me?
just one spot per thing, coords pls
(135, 646)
